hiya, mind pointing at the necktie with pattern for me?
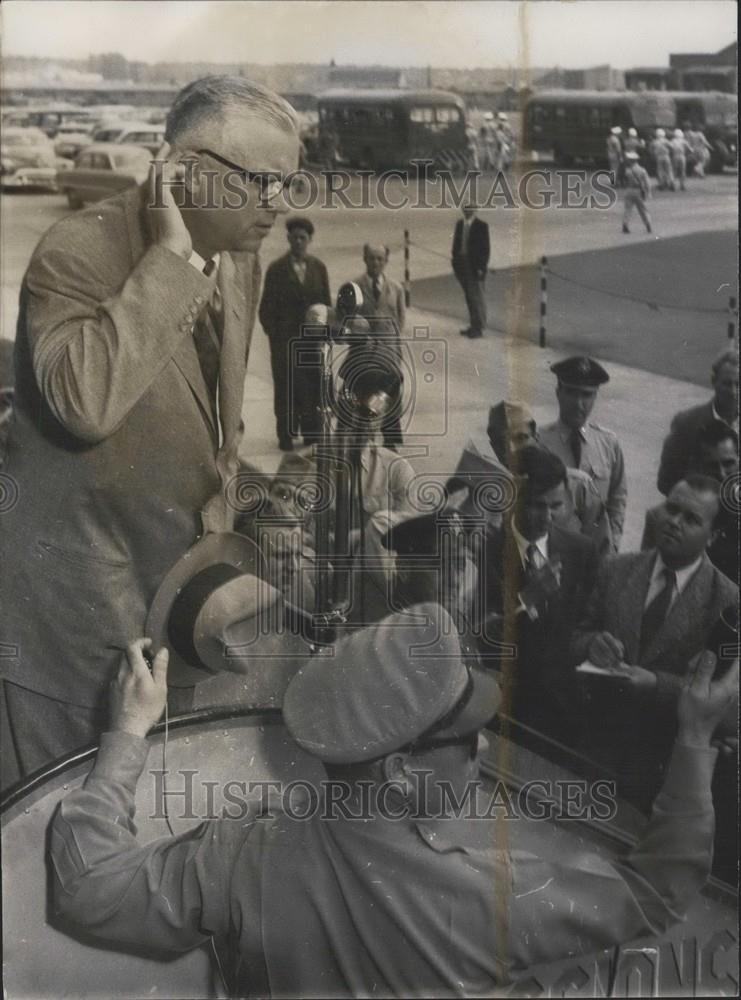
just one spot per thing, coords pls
(207, 336)
(656, 612)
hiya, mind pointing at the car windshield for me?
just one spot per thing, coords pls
(108, 134)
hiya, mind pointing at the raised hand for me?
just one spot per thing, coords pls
(138, 696)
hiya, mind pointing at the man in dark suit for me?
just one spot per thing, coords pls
(716, 455)
(133, 333)
(293, 283)
(679, 446)
(536, 576)
(649, 615)
(470, 259)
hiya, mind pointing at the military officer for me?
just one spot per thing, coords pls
(581, 444)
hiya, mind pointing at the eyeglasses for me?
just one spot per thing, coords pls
(269, 182)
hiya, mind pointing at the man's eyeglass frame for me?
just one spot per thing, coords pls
(270, 183)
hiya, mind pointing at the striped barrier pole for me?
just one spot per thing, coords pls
(407, 284)
(731, 318)
(543, 299)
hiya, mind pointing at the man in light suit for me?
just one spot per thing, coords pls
(649, 615)
(293, 283)
(679, 446)
(384, 308)
(470, 260)
(133, 334)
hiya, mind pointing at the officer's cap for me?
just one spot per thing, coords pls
(387, 687)
(616, 130)
(580, 371)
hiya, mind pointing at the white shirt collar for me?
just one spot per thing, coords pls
(523, 544)
(199, 263)
(682, 576)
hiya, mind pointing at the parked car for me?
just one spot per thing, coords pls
(101, 170)
(144, 134)
(71, 138)
(27, 158)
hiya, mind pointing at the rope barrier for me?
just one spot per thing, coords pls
(652, 304)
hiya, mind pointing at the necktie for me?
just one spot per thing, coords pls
(531, 559)
(655, 614)
(207, 335)
(376, 289)
(576, 443)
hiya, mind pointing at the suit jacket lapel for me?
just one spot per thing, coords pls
(630, 605)
(185, 357)
(233, 349)
(688, 607)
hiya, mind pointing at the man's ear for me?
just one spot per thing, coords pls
(396, 769)
(188, 169)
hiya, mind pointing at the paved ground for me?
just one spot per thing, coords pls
(468, 376)
(592, 309)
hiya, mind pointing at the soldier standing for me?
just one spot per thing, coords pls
(581, 444)
(661, 151)
(680, 150)
(638, 190)
(615, 153)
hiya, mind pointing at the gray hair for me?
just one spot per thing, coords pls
(727, 357)
(217, 96)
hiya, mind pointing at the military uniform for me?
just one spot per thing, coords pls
(601, 456)
(389, 907)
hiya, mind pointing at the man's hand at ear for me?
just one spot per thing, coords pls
(138, 696)
(166, 220)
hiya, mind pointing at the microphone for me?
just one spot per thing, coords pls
(342, 320)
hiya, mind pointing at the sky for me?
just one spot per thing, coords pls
(568, 33)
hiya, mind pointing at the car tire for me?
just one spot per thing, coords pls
(74, 201)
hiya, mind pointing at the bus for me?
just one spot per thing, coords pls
(716, 115)
(47, 117)
(385, 129)
(572, 126)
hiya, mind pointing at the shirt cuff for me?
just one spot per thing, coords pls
(121, 758)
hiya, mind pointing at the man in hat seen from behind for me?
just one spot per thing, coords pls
(615, 155)
(637, 193)
(582, 444)
(387, 884)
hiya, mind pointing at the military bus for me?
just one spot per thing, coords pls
(382, 129)
(571, 126)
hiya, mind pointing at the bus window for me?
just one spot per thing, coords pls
(423, 116)
(448, 116)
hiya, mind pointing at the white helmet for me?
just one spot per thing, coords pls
(632, 132)
(616, 130)
(502, 117)
(488, 116)
(678, 133)
(660, 133)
